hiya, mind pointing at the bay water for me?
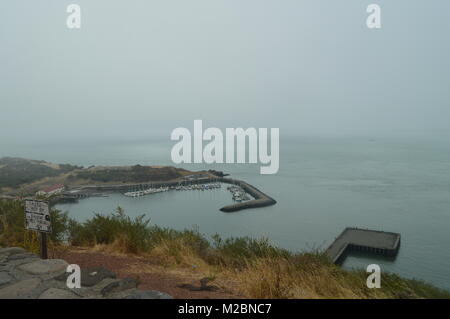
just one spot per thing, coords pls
(324, 184)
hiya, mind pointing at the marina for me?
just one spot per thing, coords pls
(238, 194)
(244, 195)
(180, 187)
(146, 192)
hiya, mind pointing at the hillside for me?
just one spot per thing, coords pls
(20, 176)
(18, 171)
(175, 261)
(130, 174)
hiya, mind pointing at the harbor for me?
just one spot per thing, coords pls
(244, 195)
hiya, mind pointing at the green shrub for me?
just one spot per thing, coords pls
(12, 226)
(238, 251)
(132, 234)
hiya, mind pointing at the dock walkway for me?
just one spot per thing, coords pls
(356, 239)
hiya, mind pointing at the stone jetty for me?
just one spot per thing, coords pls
(25, 276)
(261, 199)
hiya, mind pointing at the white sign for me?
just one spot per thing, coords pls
(37, 216)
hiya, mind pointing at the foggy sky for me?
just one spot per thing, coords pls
(142, 68)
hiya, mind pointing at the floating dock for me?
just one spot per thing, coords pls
(356, 239)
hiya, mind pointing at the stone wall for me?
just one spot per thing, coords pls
(25, 276)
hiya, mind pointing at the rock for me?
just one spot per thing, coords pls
(90, 276)
(95, 291)
(55, 293)
(19, 289)
(5, 278)
(13, 264)
(120, 294)
(24, 275)
(21, 256)
(203, 286)
(149, 294)
(44, 266)
(12, 251)
(117, 286)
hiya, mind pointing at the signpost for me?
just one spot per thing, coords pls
(37, 217)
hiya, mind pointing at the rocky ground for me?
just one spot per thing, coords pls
(179, 282)
(24, 275)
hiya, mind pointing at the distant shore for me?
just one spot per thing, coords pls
(77, 182)
(25, 177)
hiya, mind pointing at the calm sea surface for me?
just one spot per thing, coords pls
(323, 186)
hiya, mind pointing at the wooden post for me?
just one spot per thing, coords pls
(43, 245)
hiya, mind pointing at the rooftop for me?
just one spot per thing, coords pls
(52, 188)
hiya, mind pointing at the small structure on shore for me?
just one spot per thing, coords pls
(356, 239)
(52, 190)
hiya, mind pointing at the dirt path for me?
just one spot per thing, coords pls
(151, 276)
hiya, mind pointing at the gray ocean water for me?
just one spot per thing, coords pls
(323, 186)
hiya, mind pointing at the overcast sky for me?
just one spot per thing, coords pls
(144, 67)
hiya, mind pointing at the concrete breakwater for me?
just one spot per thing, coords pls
(260, 199)
(356, 239)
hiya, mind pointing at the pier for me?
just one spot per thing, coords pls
(366, 240)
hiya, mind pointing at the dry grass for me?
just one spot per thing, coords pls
(244, 266)
(264, 277)
(297, 277)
